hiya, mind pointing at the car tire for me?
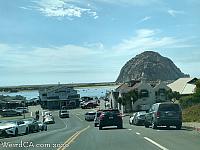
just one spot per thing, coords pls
(16, 132)
(146, 124)
(154, 126)
(95, 125)
(178, 127)
(27, 131)
(120, 126)
(100, 127)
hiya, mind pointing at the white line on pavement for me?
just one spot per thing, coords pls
(78, 117)
(31, 114)
(138, 133)
(153, 142)
(129, 129)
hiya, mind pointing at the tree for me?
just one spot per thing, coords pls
(173, 95)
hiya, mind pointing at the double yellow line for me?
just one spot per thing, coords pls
(72, 138)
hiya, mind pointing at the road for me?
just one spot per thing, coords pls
(77, 134)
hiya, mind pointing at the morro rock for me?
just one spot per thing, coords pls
(150, 66)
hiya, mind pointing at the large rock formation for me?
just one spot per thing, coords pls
(150, 66)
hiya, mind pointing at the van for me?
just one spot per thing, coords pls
(164, 114)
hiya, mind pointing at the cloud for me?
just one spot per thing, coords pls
(63, 8)
(150, 39)
(144, 19)
(173, 13)
(130, 2)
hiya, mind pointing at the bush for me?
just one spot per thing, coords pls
(192, 114)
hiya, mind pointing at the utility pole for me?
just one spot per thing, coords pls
(23, 108)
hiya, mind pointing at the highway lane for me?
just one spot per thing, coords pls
(57, 133)
(77, 134)
(136, 137)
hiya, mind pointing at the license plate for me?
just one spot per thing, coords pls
(170, 114)
(110, 117)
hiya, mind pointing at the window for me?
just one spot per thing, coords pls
(144, 93)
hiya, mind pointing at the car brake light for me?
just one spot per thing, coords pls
(101, 116)
(157, 114)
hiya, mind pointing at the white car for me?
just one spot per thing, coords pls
(131, 119)
(22, 109)
(46, 113)
(89, 116)
(49, 120)
(13, 128)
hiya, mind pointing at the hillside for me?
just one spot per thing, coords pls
(151, 66)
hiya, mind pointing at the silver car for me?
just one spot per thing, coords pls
(13, 128)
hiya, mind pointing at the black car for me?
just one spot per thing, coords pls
(164, 114)
(110, 117)
(32, 124)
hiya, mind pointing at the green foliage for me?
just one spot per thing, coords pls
(188, 101)
(173, 95)
(119, 100)
(192, 114)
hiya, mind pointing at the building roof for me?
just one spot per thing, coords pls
(125, 88)
(183, 85)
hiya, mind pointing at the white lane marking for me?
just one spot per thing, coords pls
(153, 142)
(129, 129)
(31, 114)
(78, 117)
(138, 133)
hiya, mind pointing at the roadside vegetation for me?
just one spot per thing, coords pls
(192, 114)
(191, 106)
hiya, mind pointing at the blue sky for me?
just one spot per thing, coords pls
(51, 41)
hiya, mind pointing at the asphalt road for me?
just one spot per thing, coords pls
(77, 134)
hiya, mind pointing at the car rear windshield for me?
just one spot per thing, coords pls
(169, 107)
(91, 113)
(111, 111)
(64, 111)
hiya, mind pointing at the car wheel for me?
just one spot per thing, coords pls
(100, 127)
(178, 126)
(27, 130)
(95, 125)
(16, 132)
(46, 128)
(120, 127)
(154, 126)
(146, 124)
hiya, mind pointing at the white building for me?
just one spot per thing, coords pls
(185, 86)
(147, 94)
(58, 96)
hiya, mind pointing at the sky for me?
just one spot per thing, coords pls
(81, 41)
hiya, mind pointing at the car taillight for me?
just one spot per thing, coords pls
(119, 115)
(157, 114)
(101, 116)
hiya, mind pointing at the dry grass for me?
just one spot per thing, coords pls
(192, 114)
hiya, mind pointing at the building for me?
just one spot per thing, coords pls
(185, 86)
(148, 94)
(59, 96)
